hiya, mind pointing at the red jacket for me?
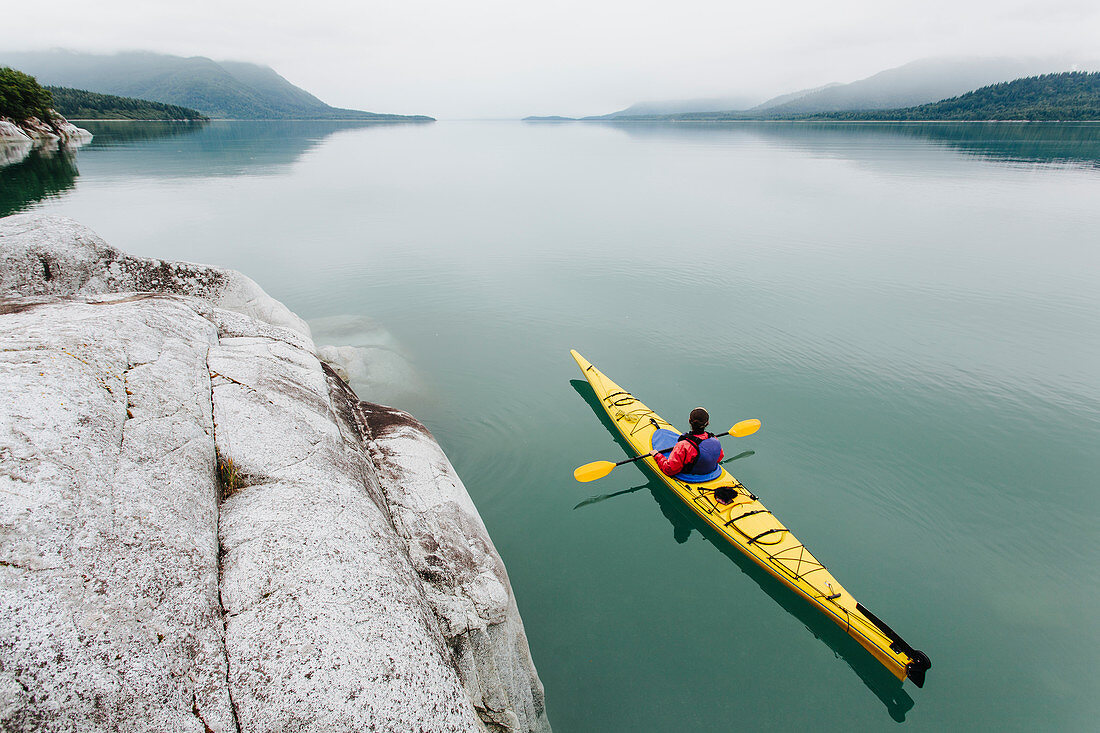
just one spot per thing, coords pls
(683, 453)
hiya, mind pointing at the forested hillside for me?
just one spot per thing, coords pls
(1073, 95)
(84, 105)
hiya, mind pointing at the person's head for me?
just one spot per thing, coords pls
(699, 419)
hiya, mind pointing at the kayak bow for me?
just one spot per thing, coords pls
(748, 525)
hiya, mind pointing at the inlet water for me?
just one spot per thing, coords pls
(912, 310)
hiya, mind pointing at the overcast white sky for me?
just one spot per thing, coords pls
(503, 58)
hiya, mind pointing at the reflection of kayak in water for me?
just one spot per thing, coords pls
(743, 521)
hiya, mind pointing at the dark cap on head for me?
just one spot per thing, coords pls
(699, 418)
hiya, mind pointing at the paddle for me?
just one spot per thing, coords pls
(599, 469)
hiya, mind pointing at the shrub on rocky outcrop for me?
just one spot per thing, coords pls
(21, 96)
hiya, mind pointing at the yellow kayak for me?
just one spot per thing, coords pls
(751, 528)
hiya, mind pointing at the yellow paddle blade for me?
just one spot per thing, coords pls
(592, 471)
(745, 427)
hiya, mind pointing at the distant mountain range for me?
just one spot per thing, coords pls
(913, 84)
(1066, 96)
(916, 83)
(228, 89)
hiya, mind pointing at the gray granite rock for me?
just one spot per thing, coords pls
(464, 577)
(18, 139)
(61, 131)
(326, 620)
(13, 149)
(358, 588)
(50, 255)
(13, 133)
(109, 611)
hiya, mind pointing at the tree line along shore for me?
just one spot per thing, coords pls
(23, 98)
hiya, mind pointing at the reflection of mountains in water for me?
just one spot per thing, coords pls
(43, 173)
(165, 150)
(220, 148)
(1024, 142)
(887, 688)
(112, 133)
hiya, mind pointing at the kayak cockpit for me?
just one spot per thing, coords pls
(663, 441)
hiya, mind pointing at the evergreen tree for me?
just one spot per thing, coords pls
(80, 104)
(21, 96)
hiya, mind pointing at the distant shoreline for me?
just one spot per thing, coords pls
(742, 120)
(410, 118)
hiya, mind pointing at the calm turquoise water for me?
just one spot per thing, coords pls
(912, 310)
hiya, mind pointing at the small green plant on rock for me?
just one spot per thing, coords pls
(230, 478)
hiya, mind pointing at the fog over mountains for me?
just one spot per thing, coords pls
(916, 83)
(227, 89)
(240, 90)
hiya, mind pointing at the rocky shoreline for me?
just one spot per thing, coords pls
(34, 130)
(17, 139)
(202, 527)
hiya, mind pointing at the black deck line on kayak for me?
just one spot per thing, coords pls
(748, 514)
(766, 533)
(701, 502)
(832, 609)
(737, 487)
(639, 423)
(780, 561)
(626, 399)
(607, 400)
(811, 570)
(800, 560)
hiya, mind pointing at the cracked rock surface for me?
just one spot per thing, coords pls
(108, 520)
(464, 578)
(202, 528)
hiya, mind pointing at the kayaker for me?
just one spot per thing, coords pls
(696, 452)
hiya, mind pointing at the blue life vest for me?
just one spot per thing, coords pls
(710, 450)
